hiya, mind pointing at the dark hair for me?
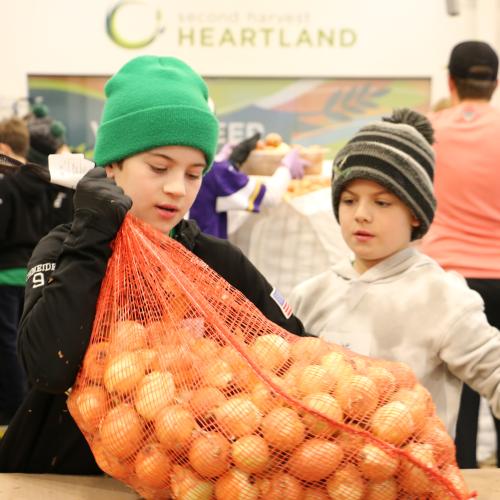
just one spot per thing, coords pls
(14, 132)
(468, 88)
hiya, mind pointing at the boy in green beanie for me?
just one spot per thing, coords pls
(156, 139)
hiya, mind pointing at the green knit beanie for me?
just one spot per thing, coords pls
(151, 102)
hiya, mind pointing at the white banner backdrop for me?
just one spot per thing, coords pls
(333, 38)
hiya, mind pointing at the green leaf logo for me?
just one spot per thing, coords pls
(134, 24)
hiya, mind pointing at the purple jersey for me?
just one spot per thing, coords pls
(224, 188)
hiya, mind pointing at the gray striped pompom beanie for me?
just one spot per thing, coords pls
(396, 153)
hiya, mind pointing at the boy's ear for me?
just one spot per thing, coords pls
(110, 170)
(5, 149)
(415, 222)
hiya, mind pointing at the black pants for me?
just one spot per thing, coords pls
(468, 415)
(12, 377)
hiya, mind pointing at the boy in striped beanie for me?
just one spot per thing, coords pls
(397, 154)
(390, 301)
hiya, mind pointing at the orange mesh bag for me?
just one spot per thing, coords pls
(187, 391)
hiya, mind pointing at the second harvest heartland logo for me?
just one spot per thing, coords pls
(134, 24)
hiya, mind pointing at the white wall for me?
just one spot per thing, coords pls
(383, 38)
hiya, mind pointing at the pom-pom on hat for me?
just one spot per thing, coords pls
(46, 134)
(397, 154)
(151, 102)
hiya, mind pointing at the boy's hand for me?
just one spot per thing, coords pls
(99, 194)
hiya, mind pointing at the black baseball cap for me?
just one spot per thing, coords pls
(474, 60)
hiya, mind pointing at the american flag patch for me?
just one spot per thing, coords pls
(285, 307)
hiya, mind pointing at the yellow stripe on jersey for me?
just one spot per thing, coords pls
(253, 196)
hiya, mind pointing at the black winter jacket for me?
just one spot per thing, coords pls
(22, 211)
(64, 278)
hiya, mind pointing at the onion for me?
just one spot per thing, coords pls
(346, 484)
(238, 416)
(393, 423)
(315, 459)
(235, 485)
(250, 454)
(121, 431)
(156, 390)
(270, 351)
(283, 429)
(209, 455)
(152, 467)
(124, 372)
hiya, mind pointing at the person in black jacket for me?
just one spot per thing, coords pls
(47, 137)
(156, 139)
(22, 214)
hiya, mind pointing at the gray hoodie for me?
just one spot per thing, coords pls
(407, 308)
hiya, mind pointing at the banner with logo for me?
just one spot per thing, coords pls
(335, 38)
(303, 111)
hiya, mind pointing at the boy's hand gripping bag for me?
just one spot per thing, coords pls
(187, 391)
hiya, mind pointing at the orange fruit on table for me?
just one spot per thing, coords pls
(273, 139)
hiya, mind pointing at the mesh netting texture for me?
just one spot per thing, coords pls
(187, 391)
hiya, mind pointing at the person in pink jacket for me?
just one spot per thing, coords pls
(465, 234)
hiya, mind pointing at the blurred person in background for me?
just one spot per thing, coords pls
(47, 136)
(465, 234)
(14, 140)
(22, 191)
(226, 188)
